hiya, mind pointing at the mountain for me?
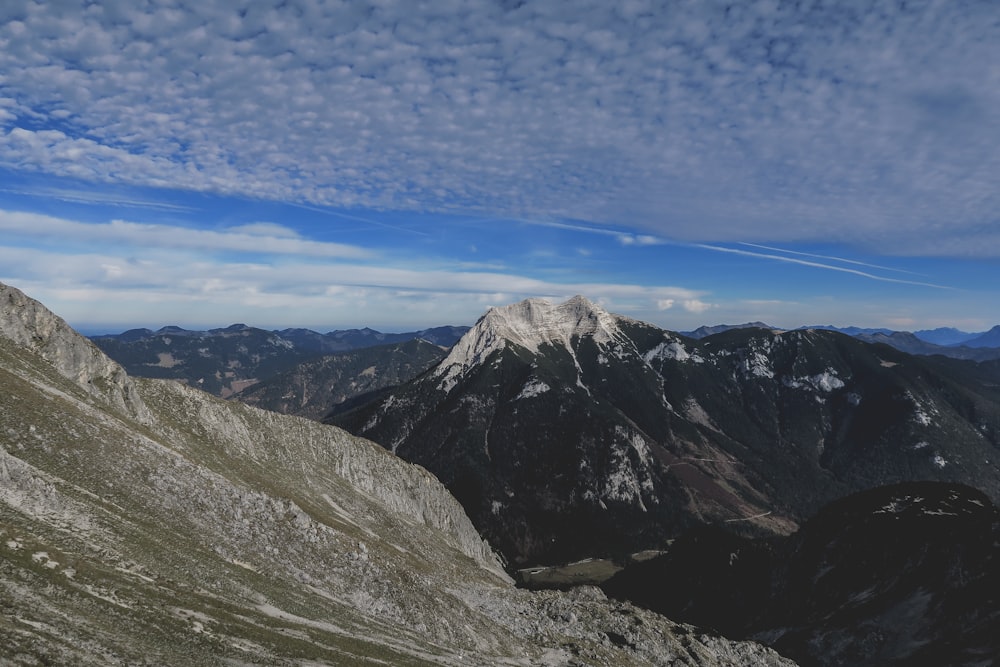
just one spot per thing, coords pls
(220, 361)
(900, 575)
(703, 331)
(850, 331)
(567, 432)
(989, 339)
(353, 339)
(315, 387)
(911, 344)
(227, 360)
(945, 336)
(949, 342)
(146, 522)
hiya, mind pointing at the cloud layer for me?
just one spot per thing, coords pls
(127, 273)
(866, 123)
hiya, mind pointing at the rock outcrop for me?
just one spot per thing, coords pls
(26, 322)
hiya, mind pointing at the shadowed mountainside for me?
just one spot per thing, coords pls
(900, 575)
(568, 432)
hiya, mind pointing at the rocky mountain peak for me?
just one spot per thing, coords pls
(533, 322)
(29, 324)
(530, 324)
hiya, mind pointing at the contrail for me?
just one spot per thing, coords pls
(818, 265)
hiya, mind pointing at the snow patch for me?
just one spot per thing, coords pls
(825, 382)
(939, 461)
(921, 414)
(532, 387)
(673, 350)
(897, 505)
(758, 365)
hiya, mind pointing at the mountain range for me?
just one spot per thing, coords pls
(567, 432)
(226, 361)
(942, 336)
(147, 522)
(945, 341)
(316, 387)
(286, 363)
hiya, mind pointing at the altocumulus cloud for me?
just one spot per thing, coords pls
(857, 122)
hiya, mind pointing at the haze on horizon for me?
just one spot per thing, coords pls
(402, 165)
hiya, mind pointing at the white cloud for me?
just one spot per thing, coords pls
(248, 238)
(116, 276)
(638, 239)
(696, 306)
(758, 121)
(266, 229)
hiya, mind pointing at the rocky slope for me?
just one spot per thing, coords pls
(900, 575)
(568, 432)
(145, 522)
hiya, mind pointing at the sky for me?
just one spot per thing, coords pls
(404, 164)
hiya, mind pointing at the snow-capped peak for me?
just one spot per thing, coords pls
(528, 324)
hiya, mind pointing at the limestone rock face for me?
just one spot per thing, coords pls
(145, 522)
(26, 322)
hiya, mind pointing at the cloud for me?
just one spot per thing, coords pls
(246, 238)
(94, 288)
(131, 272)
(757, 121)
(639, 239)
(266, 229)
(696, 306)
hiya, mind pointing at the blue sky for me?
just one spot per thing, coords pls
(409, 164)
